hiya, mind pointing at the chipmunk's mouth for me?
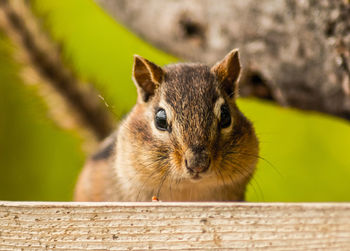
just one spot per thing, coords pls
(196, 176)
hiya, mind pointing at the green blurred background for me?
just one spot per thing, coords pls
(306, 155)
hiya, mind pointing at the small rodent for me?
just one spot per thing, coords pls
(184, 140)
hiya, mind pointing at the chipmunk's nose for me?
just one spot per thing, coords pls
(197, 160)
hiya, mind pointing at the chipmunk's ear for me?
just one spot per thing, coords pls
(228, 71)
(147, 77)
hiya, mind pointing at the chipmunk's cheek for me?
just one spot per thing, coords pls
(176, 157)
(216, 165)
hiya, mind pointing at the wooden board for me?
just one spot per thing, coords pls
(174, 226)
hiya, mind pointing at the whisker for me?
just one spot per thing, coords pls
(258, 157)
(217, 174)
(155, 171)
(172, 181)
(259, 188)
(162, 182)
(144, 183)
(222, 177)
(232, 181)
(244, 171)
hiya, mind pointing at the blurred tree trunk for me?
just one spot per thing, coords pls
(294, 52)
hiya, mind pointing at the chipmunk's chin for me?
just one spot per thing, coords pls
(199, 177)
(196, 177)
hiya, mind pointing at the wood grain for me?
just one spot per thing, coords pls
(174, 226)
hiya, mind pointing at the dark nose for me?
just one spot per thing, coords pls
(197, 162)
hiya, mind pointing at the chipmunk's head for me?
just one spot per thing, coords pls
(188, 122)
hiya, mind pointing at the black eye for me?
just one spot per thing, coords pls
(225, 119)
(160, 120)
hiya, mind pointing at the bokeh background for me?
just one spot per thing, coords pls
(305, 155)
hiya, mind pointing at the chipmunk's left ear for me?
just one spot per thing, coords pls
(228, 71)
(147, 77)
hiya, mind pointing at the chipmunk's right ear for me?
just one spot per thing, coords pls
(147, 77)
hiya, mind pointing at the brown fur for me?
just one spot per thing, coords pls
(146, 161)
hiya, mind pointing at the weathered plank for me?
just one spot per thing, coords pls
(172, 226)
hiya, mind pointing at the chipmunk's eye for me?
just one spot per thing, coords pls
(225, 119)
(160, 120)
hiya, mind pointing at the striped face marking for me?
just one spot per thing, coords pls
(217, 107)
(189, 118)
(187, 133)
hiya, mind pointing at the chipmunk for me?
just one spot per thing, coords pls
(184, 140)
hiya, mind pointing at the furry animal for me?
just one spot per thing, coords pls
(184, 140)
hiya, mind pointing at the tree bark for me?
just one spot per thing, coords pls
(294, 52)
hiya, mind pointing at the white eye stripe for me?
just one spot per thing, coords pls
(217, 107)
(168, 110)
